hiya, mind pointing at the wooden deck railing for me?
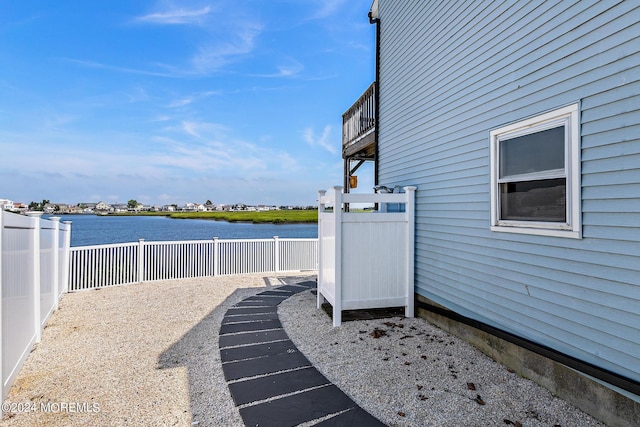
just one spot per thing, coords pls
(359, 122)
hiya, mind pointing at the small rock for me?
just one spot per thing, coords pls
(377, 333)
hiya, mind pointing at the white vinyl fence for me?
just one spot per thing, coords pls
(366, 258)
(37, 265)
(33, 274)
(118, 264)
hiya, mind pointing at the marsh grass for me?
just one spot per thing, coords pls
(274, 217)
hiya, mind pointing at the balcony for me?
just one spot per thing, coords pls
(359, 127)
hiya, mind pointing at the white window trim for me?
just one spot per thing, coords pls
(570, 116)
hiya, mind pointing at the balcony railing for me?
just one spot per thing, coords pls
(359, 124)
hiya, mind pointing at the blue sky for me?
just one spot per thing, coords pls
(179, 101)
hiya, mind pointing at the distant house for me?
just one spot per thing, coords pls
(119, 207)
(6, 205)
(74, 209)
(519, 122)
(50, 208)
(62, 208)
(19, 207)
(87, 208)
(103, 207)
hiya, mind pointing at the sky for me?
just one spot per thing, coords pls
(176, 101)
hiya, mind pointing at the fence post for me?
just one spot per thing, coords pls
(276, 244)
(2, 394)
(66, 254)
(337, 222)
(140, 260)
(216, 256)
(321, 210)
(35, 240)
(56, 259)
(410, 209)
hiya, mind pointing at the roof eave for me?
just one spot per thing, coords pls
(373, 12)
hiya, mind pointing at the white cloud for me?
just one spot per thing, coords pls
(56, 121)
(138, 94)
(203, 130)
(126, 70)
(181, 102)
(292, 69)
(219, 51)
(222, 37)
(322, 141)
(176, 16)
(327, 8)
(190, 99)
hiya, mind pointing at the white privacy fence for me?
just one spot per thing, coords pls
(366, 258)
(37, 265)
(118, 264)
(33, 274)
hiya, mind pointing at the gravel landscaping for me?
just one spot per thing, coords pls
(148, 354)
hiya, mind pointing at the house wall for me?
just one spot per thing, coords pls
(451, 71)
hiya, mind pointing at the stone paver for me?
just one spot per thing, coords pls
(271, 382)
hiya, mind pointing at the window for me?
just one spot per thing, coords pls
(535, 175)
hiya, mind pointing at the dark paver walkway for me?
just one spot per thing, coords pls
(270, 380)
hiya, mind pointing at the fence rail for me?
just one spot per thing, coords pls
(118, 264)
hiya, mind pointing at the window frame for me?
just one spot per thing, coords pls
(569, 117)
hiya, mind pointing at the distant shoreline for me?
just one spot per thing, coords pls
(308, 216)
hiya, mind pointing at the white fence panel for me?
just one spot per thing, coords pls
(103, 265)
(298, 254)
(19, 318)
(48, 269)
(64, 242)
(246, 256)
(29, 274)
(329, 253)
(178, 260)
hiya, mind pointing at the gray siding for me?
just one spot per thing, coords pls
(451, 71)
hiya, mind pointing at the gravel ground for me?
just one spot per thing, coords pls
(148, 355)
(407, 372)
(141, 355)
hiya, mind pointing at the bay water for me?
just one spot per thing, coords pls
(99, 230)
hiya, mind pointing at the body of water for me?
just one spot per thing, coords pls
(100, 230)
